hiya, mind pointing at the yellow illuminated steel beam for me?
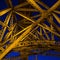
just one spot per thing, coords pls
(32, 31)
(56, 11)
(9, 33)
(15, 43)
(50, 20)
(46, 27)
(2, 12)
(50, 9)
(15, 35)
(8, 18)
(41, 31)
(44, 5)
(35, 5)
(2, 49)
(20, 32)
(32, 2)
(34, 42)
(3, 24)
(7, 21)
(56, 17)
(40, 19)
(54, 6)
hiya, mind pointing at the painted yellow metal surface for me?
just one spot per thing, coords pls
(4, 11)
(26, 32)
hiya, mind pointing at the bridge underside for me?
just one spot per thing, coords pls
(30, 27)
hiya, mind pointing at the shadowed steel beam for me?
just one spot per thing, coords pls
(41, 3)
(40, 33)
(35, 5)
(52, 36)
(2, 12)
(10, 2)
(32, 33)
(9, 33)
(56, 17)
(46, 34)
(7, 21)
(36, 16)
(15, 43)
(34, 42)
(21, 5)
(27, 9)
(50, 20)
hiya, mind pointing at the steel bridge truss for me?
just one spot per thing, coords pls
(27, 33)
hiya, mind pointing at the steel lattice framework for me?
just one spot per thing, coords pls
(28, 33)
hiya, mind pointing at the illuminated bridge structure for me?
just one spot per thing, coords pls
(29, 28)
